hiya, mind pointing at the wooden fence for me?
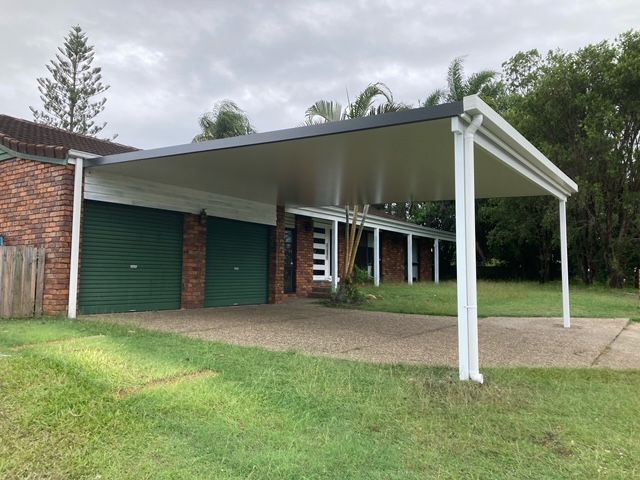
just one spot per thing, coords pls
(21, 281)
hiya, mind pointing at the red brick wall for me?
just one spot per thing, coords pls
(36, 209)
(304, 255)
(342, 242)
(194, 261)
(393, 253)
(276, 259)
(425, 253)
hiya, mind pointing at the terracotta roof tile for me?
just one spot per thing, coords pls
(32, 138)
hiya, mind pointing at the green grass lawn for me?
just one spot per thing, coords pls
(508, 299)
(89, 400)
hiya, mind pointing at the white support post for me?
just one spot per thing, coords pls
(564, 262)
(410, 259)
(75, 240)
(334, 256)
(469, 357)
(376, 257)
(461, 259)
(436, 260)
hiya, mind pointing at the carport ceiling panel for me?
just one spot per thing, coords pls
(397, 163)
(495, 179)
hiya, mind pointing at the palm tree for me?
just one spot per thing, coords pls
(225, 120)
(458, 86)
(324, 111)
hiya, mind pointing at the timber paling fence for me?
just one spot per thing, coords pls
(21, 281)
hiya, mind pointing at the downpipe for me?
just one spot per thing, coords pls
(472, 293)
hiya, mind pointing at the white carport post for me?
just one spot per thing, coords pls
(468, 351)
(334, 256)
(72, 305)
(436, 260)
(376, 257)
(564, 262)
(410, 259)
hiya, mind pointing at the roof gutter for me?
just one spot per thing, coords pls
(7, 153)
(506, 143)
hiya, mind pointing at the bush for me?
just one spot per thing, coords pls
(347, 294)
(361, 276)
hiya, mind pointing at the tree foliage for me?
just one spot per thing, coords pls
(67, 94)
(225, 120)
(582, 110)
(484, 83)
(373, 100)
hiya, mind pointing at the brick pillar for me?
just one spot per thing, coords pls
(342, 247)
(304, 255)
(425, 249)
(194, 261)
(276, 259)
(393, 252)
(36, 209)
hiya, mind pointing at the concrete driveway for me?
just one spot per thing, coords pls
(309, 327)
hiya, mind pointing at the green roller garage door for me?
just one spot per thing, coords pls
(237, 263)
(131, 259)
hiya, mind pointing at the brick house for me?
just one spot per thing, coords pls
(146, 245)
(254, 219)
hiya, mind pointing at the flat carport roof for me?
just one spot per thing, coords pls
(396, 157)
(462, 151)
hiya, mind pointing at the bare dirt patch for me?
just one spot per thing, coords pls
(164, 382)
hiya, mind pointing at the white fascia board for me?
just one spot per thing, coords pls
(497, 126)
(80, 154)
(373, 221)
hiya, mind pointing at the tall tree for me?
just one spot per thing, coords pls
(373, 100)
(225, 120)
(582, 110)
(67, 95)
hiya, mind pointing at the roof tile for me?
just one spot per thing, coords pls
(32, 138)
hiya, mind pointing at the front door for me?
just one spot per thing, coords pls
(321, 252)
(289, 260)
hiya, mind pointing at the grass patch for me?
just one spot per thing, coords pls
(284, 415)
(507, 299)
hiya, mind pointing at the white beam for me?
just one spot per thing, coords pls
(410, 259)
(436, 261)
(373, 221)
(334, 256)
(564, 261)
(75, 240)
(376, 257)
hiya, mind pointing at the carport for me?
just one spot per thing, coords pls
(458, 151)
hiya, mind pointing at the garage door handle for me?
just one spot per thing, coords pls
(236, 268)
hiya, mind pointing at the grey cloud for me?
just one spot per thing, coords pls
(167, 62)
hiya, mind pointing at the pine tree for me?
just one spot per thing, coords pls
(67, 94)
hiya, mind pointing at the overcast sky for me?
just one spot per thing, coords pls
(169, 61)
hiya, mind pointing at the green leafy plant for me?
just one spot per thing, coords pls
(347, 294)
(361, 276)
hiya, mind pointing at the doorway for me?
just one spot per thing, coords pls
(289, 260)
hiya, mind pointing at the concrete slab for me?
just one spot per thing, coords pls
(309, 327)
(624, 351)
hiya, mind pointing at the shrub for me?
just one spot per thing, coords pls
(361, 276)
(347, 294)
